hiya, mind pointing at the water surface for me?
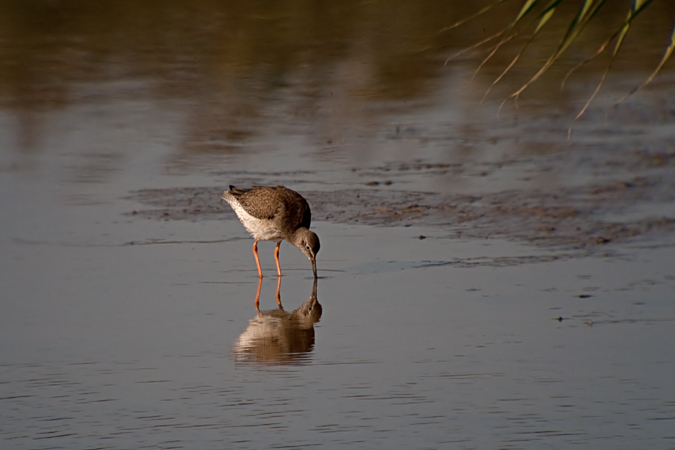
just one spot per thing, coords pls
(125, 327)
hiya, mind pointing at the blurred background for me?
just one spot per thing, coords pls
(220, 78)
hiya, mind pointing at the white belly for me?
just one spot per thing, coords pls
(262, 230)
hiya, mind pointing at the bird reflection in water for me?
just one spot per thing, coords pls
(277, 337)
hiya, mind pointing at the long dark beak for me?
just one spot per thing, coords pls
(313, 260)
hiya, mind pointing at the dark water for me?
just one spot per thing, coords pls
(119, 331)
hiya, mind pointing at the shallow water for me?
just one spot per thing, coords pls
(102, 353)
(129, 320)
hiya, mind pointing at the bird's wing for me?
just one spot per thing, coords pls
(259, 201)
(296, 208)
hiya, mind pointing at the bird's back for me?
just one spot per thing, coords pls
(287, 209)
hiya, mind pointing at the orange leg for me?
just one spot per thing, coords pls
(279, 294)
(257, 261)
(276, 257)
(257, 296)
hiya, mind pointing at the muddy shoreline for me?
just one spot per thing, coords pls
(583, 217)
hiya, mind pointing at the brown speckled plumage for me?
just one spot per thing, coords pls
(286, 208)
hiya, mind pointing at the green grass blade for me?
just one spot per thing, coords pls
(666, 55)
(584, 14)
(543, 19)
(527, 7)
(509, 32)
(638, 7)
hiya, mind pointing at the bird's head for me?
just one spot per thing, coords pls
(308, 243)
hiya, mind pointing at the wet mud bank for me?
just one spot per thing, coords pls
(637, 203)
